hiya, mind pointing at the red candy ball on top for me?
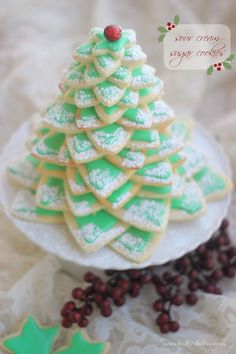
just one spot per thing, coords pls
(112, 33)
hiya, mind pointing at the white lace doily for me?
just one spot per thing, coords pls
(180, 237)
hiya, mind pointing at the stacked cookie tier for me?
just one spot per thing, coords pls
(108, 158)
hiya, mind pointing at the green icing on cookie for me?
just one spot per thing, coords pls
(149, 136)
(134, 54)
(210, 182)
(129, 99)
(190, 202)
(51, 193)
(106, 64)
(121, 75)
(146, 213)
(75, 76)
(43, 131)
(84, 51)
(160, 190)
(156, 172)
(140, 116)
(108, 93)
(93, 226)
(61, 115)
(161, 112)
(131, 158)
(25, 170)
(168, 146)
(85, 97)
(180, 129)
(91, 75)
(81, 148)
(32, 338)
(80, 344)
(121, 194)
(133, 241)
(143, 77)
(50, 145)
(103, 177)
(195, 160)
(76, 182)
(52, 167)
(109, 111)
(114, 47)
(88, 118)
(175, 159)
(82, 204)
(110, 138)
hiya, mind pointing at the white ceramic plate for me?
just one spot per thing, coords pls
(180, 238)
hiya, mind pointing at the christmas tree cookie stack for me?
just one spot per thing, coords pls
(107, 156)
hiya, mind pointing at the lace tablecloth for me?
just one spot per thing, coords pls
(36, 42)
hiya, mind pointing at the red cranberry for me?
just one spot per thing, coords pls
(75, 317)
(89, 277)
(83, 322)
(163, 318)
(177, 299)
(106, 312)
(191, 299)
(66, 323)
(70, 305)
(158, 305)
(168, 24)
(219, 68)
(78, 294)
(174, 326)
(164, 328)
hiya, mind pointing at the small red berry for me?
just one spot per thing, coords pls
(177, 299)
(173, 26)
(112, 33)
(191, 299)
(215, 65)
(83, 322)
(219, 64)
(106, 312)
(158, 305)
(66, 323)
(219, 68)
(168, 24)
(169, 28)
(116, 293)
(75, 317)
(120, 302)
(163, 318)
(78, 294)
(165, 328)
(104, 303)
(100, 287)
(174, 326)
(89, 277)
(87, 310)
(70, 305)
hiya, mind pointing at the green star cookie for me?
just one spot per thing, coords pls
(81, 344)
(32, 339)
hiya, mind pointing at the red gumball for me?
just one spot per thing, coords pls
(113, 33)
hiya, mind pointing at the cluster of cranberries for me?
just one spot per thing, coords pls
(218, 66)
(175, 283)
(169, 26)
